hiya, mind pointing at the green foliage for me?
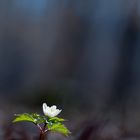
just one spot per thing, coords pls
(34, 118)
(55, 119)
(58, 127)
(54, 124)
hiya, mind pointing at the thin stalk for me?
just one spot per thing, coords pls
(39, 127)
(42, 136)
(43, 131)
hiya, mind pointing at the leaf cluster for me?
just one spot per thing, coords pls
(54, 124)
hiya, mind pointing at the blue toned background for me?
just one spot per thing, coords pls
(83, 56)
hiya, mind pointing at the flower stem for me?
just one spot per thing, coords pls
(42, 136)
(43, 132)
(39, 127)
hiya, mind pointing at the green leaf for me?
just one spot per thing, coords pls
(39, 119)
(55, 119)
(34, 118)
(58, 127)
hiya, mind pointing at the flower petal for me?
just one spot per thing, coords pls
(53, 108)
(44, 107)
(57, 111)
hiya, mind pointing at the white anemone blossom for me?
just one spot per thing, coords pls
(50, 111)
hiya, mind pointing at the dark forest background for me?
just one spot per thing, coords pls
(83, 56)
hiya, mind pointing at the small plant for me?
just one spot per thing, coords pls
(45, 123)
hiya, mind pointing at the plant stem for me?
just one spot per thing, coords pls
(43, 132)
(42, 136)
(39, 127)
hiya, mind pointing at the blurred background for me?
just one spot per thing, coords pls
(83, 56)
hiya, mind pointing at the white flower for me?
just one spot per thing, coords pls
(50, 111)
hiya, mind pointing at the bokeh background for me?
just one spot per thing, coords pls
(83, 56)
